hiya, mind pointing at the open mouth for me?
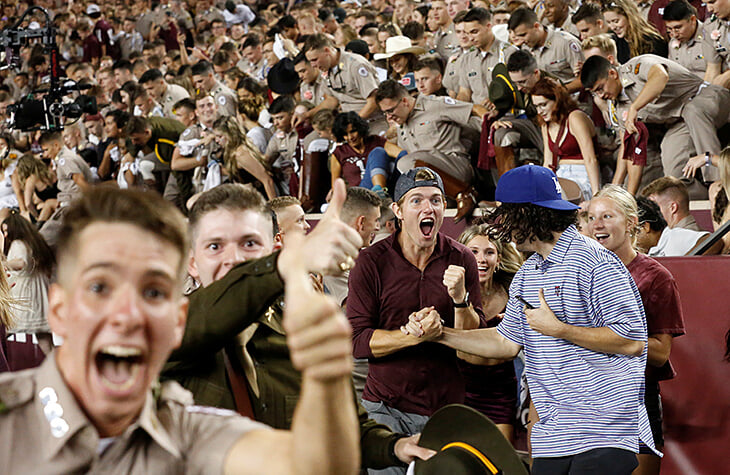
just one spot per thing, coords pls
(601, 238)
(119, 367)
(427, 226)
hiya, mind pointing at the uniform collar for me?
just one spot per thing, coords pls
(51, 385)
(59, 410)
(340, 64)
(626, 75)
(698, 36)
(548, 39)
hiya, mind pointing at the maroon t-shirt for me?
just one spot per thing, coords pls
(352, 162)
(660, 297)
(384, 289)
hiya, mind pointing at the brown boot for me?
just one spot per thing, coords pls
(505, 158)
(459, 191)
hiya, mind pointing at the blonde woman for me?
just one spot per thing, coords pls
(37, 188)
(491, 386)
(636, 36)
(240, 156)
(613, 220)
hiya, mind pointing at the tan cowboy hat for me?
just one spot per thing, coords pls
(399, 45)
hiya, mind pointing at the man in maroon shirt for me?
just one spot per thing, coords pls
(417, 270)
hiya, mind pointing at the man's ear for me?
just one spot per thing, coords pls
(673, 207)
(57, 309)
(193, 267)
(359, 222)
(613, 74)
(396, 210)
(182, 317)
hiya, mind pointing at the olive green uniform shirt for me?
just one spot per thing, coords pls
(217, 316)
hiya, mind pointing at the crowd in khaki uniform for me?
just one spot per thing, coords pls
(251, 370)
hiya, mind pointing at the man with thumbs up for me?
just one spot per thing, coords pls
(235, 353)
(578, 315)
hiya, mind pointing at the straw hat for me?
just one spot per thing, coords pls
(399, 45)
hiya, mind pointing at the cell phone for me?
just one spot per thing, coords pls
(525, 302)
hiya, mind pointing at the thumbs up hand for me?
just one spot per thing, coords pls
(543, 320)
(331, 248)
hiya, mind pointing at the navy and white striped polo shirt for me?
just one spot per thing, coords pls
(585, 399)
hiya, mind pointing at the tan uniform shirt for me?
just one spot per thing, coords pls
(560, 54)
(170, 97)
(682, 86)
(67, 164)
(44, 431)
(446, 42)
(690, 54)
(351, 81)
(435, 123)
(313, 93)
(567, 26)
(226, 99)
(716, 45)
(451, 77)
(282, 148)
(475, 68)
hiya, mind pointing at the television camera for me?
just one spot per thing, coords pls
(47, 108)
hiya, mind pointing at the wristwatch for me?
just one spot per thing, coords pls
(708, 159)
(463, 304)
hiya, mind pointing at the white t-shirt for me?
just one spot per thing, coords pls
(675, 242)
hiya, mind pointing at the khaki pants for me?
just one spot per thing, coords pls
(697, 133)
(456, 166)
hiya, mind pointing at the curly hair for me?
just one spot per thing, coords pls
(342, 120)
(554, 91)
(521, 222)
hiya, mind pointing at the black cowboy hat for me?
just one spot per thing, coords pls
(467, 443)
(502, 91)
(282, 79)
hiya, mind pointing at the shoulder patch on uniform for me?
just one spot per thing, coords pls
(186, 132)
(637, 68)
(362, 71)
(222, 100)
(575, 47)
(449, 100)
(61, 162)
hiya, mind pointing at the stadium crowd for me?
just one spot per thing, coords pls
(163, 240)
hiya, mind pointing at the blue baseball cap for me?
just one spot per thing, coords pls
(532, 184)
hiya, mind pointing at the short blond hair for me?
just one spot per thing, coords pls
(603, 42)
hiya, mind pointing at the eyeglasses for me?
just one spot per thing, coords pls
(391, 111)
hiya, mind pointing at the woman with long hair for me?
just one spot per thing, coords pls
(38, 188)
(242, 160)
(636, 36)
(491, 386)
(568, 134)
(613, 220)
(29, 262)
